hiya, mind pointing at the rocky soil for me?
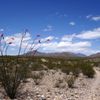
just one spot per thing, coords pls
(52, 85)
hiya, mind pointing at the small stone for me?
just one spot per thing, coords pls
(29, 97)
(76, 96)
(43, 97)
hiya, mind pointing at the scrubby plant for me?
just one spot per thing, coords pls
(37, 77)
(59, 83)
(87, 69)
(14, 70)
(70, 81)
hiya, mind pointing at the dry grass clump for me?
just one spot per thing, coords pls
(37, 77)
(70, 81)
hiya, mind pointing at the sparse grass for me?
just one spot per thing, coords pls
(26, 64)
(75, 66)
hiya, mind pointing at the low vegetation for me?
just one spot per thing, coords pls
(37, 77)
(10, 83)
(70, 81)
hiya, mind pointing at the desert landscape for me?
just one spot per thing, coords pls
(49, 49)
(57, 78)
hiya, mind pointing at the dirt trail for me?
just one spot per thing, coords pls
(94, 93)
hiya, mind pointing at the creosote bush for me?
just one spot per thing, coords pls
(76, 65)
(88, 70)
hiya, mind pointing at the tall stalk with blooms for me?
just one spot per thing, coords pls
(13, 70)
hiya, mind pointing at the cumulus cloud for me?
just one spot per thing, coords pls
(92, 34)
(63, 46)
(48, 38)
(72, 23)
(17, 38)
(48, 28)
(65, 43)
(96, 18)
(68, 37)
(1, 29)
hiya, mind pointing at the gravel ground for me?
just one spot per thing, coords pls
(52, 85)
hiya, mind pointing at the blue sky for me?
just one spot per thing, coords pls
(72, 25)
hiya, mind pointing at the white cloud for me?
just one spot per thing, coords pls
(63, 46)
(92, 34)
(47, 38)
(50, 38)
(96, 18)
(17, 39)
(68, 37)
(48, 28)
(1, 29)
(61, 15)
(72, 23)
(65, 43)
(75, 45)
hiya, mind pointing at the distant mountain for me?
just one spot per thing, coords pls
(95, 55)
(81, 55)
(56, 54)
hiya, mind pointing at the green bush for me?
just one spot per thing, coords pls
(11, 75)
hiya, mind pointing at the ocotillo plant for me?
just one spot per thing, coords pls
(13, 70)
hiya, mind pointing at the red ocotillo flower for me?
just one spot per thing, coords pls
(10, 40)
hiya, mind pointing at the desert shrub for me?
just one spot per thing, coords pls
(14, 69)
(77, 66)
(58, 83)
(37, 77)
(87, 69)
(11, 76)
(36, 66)
(96, 64)
(70, 81)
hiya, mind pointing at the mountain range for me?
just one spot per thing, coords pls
(61, 54)
(56, 54)
(95, 55)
